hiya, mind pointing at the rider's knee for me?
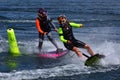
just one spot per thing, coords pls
(87, 46)
(75, 49)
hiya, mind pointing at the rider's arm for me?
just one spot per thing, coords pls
(38, 26)
(61, 35)
(76, 25)
(52, 24)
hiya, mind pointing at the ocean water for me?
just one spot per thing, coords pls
(101, 19)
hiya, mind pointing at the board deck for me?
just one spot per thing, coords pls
(52, 54)
(94, 60)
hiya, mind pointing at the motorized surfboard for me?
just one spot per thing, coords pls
(94, 60)
(52, 54)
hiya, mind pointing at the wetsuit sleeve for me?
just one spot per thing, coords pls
(76, 25)
(38, 26)
(61, 35)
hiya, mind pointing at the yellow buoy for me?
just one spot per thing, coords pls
(13, 46)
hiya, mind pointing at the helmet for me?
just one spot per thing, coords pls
(42, 11)
(61, 16)
(62, 19)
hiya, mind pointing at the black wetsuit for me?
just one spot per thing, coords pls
(68, 35)
(45, 24)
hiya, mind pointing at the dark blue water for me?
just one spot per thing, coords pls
(101, 19)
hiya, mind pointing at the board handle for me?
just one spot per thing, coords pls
(85, 55)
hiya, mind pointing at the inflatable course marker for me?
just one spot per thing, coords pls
(13, 46)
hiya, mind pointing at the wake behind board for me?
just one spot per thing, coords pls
(52, 54)
(94, 60)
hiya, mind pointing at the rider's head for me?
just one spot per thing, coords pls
(42, 12)
(62, 19)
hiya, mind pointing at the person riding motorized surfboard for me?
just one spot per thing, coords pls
(67, 37)
(44, 25)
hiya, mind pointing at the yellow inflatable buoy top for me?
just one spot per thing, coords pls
(13, 46)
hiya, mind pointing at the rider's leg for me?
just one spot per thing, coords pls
(79, 53)
(41, 38)
(89, 50)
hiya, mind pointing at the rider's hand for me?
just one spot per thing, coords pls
(81, 25)
(45, 33)
(56, 29)
(69, 42)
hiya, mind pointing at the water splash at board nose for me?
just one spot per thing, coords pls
(111, 51)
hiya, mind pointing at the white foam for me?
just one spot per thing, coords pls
(111, 51)
(3, 45)
(76, 67)
(66, 70)
(30, 46)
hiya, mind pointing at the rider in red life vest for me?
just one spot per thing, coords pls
(67, 37)
(44, 25)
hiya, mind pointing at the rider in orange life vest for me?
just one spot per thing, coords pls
(67, 37)
(44, 25)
